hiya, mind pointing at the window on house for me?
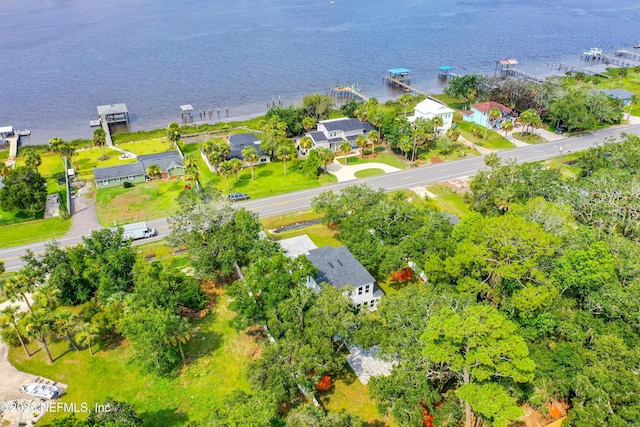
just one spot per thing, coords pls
(359, 291)
(366, 289)
(105, 182)
(117, 179)
(130, 177)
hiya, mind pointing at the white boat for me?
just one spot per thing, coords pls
(594, 51)
(41, 390)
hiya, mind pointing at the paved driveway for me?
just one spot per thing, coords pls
(348, 172)
(83, 208)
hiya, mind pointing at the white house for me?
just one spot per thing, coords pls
(338, 268)
(332, 133)
(428, 109)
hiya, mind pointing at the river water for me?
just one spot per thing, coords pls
(62, 58)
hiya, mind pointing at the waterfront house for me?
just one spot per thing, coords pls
(338, 268)
(170, 164)
(479, 114)
(428, 109)
(240, 141)
(332, 133)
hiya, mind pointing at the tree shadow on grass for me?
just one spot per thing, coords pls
(164, 417)
(262, 173)
(201, 344)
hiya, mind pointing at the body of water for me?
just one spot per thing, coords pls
(62, 58)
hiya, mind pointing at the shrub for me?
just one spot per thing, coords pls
(127, 184)
(10, 337)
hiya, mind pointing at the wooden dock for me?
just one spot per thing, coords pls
(626, 54)
(352, 90)
(606, 59)
(410, 89)
(513, 72)
(107, 133)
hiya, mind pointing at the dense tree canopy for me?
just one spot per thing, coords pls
(23, 189)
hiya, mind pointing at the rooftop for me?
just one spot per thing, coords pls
(613, 93)
(186, 107)
(296, 246)
(6, 129)
(338, 267)
(166, 161)
(345, 124)
(106, 110)
(485, 107)
(429, 106)
(119, 171)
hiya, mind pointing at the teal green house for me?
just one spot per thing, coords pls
(114, 176)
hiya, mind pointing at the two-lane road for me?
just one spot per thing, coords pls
(300, 200)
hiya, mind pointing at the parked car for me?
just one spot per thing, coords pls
(236, 197)
(561, 129)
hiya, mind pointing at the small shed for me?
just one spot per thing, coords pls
(401, 74)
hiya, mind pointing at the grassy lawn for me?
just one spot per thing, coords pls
(218, 358)
(148, 146)
(32, 231)
(51, 165)
(86, 159)
(320, 234)
(451, 101)
(369, 172)
(448, 200)
(348, 393)
(139, 203)
(384, 157)
(494, 141)
(529, 137)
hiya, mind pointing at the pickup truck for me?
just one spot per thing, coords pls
(138, 230)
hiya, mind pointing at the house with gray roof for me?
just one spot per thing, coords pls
(332, 133)
(113, 176)
(338, 268)
(623, 95)
(240, 141)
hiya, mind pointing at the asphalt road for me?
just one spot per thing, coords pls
(300, 200)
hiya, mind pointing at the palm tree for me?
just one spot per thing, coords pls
(285, 152)
(405, 100)
(345, 147)
(251, 157)
(326, 156)
(38, 326)
(305, 143)
(361, 141)
(405, 145)
(437, 123)
(506, 126)
(225, 169)
(373, 139)
(154, 173)
(419, 133)
(181, 334)
(20, 285)
(87, 334)
(100, 140)
(47, 297)
(376, 118)
(494, 114)
(173, 133)
(31, 159)
(65, 323)
(236, 166)
(10, 316)
(492, 160)
(67, 151)
(308, 123)
(453, 133)
(636, 70)
(190, 161)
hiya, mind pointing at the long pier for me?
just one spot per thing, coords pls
(631, 55)
(597, 56)
(512, 72)
(354, 90)
(107, 132)
(412, 90)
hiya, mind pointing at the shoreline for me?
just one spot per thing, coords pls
(148, 120)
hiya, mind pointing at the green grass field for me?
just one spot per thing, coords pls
(449, 201)
(529, 137)
(139, 203)
(384, 157)
(147, 146)
(33, 231)
(85, 160)
(369, 172)
(218, 358)
(494, 141)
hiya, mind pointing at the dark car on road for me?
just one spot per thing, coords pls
(236, 197)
